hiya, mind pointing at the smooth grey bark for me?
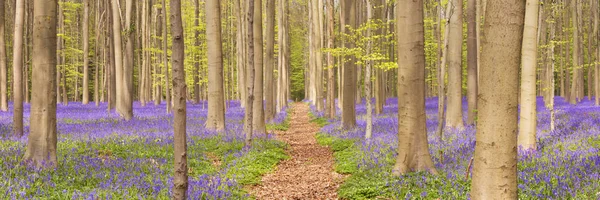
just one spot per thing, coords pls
(41, 144)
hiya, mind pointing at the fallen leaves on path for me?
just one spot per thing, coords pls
(308, 174)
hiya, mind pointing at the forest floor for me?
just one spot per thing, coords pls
(309, 173)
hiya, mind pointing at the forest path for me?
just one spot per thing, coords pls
(309, 173)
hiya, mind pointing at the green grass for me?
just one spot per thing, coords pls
(375, 183)
(320, 121)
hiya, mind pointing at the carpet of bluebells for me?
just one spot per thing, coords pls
(566, 164)
(103, 157)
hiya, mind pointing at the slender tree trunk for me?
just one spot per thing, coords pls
(527, 124)
(127, 90)
(157, 71)
(573, 97)
(269, 60)
(330, 61)
(180, 180)
(413, 151)
(248, 115)
(454, 116)
(442, 76)
(368, 66)
(3, 70)
(216, 108)
(143, 60)
(495, 159)
(18, 69)
(597, 65)
(166, 57)
(258, 113)
(349, 78)
(41, 145)
(472, 58)
(241, 50)
(196, 73)
(119, 60)
(86, 13)
(97, 68)
(550, 104)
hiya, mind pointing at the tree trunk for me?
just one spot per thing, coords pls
(86, 13)
(442, 76)
(180, 180)
(258, 113)
(18, 69)
(197, 57)
(330, 62)
(241, 50)
(368, 66)
(573, 97)
(349, 77)
(248, 114)
(3, 70)
(216, 108)
(472, 58)
(597, 65)
(269, 60)
(41, 145)
(157, 71)
(127, 90)
(166, 57)
(495, 159)
(455, 37)
(413, 150)
(527, 124)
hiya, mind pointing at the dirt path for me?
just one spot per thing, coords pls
(308, 174)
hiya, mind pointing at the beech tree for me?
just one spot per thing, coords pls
(330, 62)
(270, 60)
(258, 115)
(413, 150)
(41, 144)
(472, 63)
(18, 69)
(495, 159)
(349, 67)
(165, 57)
(180, 180)
(86, 13)
(216, 99)
(248, 114)
(528, 113)
(455, 38)
(3, 78)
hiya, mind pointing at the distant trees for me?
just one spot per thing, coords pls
(41, 144)
(495, 159)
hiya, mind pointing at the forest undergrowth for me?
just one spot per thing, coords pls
(566, 164)
(103, 157)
